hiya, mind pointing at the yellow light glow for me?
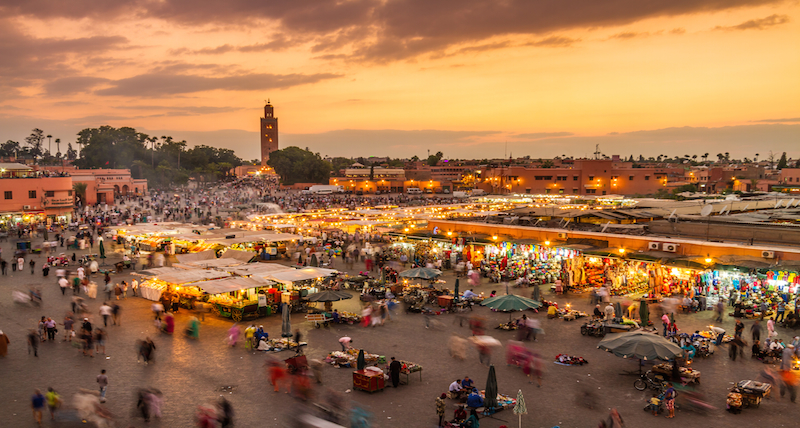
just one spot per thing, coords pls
(622, 251)
(546, 242)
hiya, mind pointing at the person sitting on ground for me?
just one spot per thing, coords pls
(455, 389)
(597, 312)
(690, 350)
(460, 414)
(472, 421)
(757, 351)
(335, 316)
(468, 294)
(474, 399)
(776, 345)
(493, 293)
(467, 383)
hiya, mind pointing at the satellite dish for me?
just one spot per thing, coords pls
(722, 211)
(790, 203)
(707, 210)
(673, 213)
(777, 204)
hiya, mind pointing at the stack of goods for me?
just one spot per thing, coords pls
(284, 343)
(713, 336)
(687, 373)
(570, 315)
(349, 358)
(569, 360)
(503, 401)
(734, 402)
(511, 325)
(595, 276)
(408, 367)
(349, 317)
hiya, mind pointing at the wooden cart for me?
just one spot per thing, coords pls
(236, 311)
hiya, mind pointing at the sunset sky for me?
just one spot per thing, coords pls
(472, 78)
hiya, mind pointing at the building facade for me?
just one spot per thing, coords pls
(103, 185)
(269, 133)
(28, 195)
(582, 177)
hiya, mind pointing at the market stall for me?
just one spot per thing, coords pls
(171, 279)
(239, 297)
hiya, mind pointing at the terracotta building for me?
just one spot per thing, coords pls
(103, 185)
(583, 177)
(28, 195)
(269, 133)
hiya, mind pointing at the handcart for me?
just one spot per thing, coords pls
(752, 392)
(319, 320)
(594, 328)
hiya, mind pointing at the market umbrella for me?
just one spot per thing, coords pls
(314, 261)
(520, 408)
(424, 273)
(641, 345)
(644, 312)
(361, 362)
(510, 302)
(455, 291)
(329, 296)
(286, 324)
(490, 401)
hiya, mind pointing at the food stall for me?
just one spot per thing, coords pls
(171, 279)
(238, 297)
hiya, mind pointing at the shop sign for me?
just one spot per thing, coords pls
(262, 300)
(59, 202)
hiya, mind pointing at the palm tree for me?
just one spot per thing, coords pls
(705, 157)
(49, 144)
(58, 147)
(755, 159)
(80, 191)
(727, 156)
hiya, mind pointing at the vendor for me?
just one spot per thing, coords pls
(474, 399)
(597, 312)
(467, 383)
(469, 294)
(720, 332)
(335, 316)
(552, 311)
(261, 334)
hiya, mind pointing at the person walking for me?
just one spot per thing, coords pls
(225, 413)
(3, 344)
(394, 372)
(32, 264)
(669, 400)
(440, 408)
(3, 265)
(134, 287)
(69, 324)
(53, 402)
(50, 325)
(665, 321)
(37, 404)
(33, 343)
(102, 381)
(106, 311)
(781, 311)
(63, 284)
(755, 330)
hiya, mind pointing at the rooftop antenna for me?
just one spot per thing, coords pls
(597, 151)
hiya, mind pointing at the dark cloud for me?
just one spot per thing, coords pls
(790, 119)
(540, 135)
(625, 35)
(72, 85)
(757, 24)
(162, 85)
(555, 42)
(387, 30)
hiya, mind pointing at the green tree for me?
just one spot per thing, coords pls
(339, 163)
(295, 165)
(35, 141)
(108, 147)
(434, 159)
(547, 164)
(71, 153)
(9, 148)
(782, 163)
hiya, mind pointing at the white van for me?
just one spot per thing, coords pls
(414, 191)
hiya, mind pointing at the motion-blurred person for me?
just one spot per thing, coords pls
(53, 402)
(233, 335)
(277, 375)
(33, 343)
(225, 413)
(102, 382)
(457, 346)
(3, 344)
(37, 404)
(100, 341)
(193, 330)
(146, 350)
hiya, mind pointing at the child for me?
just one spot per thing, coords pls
(655, 404)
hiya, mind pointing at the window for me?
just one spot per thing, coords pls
(561, 191)
(528, 190)
(574, 191)
(591, 190)
(564, 178)
(50, 193)
(630, 178)
(31, 194)
(574, 178)
(591, 178)
(69, 192)
(604, 192)
(546, 191)
(646, 177)
(8, 194)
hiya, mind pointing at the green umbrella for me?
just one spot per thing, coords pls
(641, 345)
(644, 312)
(424, 273)
(361, 362)
(520, 408)
(510, 302)
(329, 296)
(490, 401)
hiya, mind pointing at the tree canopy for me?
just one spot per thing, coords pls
(295, 165)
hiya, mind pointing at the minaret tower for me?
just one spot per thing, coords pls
(269, 133)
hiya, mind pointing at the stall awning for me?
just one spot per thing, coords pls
(192, 275)
(161, 271)
(196, 257)
(258, 269)
(300, 274)
(227, 285)
(222, 262)
(244, 256)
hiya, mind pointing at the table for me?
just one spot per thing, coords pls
(150, 293)
(407, 373)
(445, 301)
(368, 380)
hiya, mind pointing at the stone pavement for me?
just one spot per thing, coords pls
(190, 373)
